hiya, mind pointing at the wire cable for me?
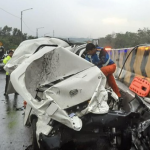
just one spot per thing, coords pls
(10, 13)
(17, 17)
(27, 26)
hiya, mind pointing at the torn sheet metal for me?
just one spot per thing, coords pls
(60, 115)
(27, 48)
(76, 89)
(42, 126)
(98, 103)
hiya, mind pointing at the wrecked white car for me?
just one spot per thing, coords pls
(68, 105)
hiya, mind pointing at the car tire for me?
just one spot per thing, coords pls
(34, 139)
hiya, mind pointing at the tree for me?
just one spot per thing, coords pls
(128, 39)
(11, 38)
(6, 31)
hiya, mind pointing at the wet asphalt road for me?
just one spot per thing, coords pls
(13, 134)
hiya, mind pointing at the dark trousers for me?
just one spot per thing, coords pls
(7, 82)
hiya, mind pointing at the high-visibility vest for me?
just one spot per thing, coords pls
(5, 60)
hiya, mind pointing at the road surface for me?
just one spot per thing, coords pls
(13, 134)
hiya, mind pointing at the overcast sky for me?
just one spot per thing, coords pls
(76, 18)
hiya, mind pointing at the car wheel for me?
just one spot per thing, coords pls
(34, 140)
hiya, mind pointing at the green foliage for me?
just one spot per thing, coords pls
(128, 39)
(11, 38)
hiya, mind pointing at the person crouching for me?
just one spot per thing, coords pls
(101, 59)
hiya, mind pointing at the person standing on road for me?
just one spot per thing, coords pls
(101, 59)
(5, 60)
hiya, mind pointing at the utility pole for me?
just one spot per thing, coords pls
(21, 20)
(37, 31)
(21, 25)
(53, 33)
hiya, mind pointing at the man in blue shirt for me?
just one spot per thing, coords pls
(101, 59)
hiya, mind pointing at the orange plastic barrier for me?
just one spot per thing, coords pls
(140, 86)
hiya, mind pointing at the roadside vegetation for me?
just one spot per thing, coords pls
(12, 37)
(125, 40)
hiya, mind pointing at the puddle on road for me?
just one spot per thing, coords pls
(11, 105)
(11, 124)
(20, 109)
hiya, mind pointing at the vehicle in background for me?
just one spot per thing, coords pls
(2, 56)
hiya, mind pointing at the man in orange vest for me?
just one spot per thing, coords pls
(101, 59)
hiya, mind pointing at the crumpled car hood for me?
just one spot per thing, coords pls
(54, 65)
